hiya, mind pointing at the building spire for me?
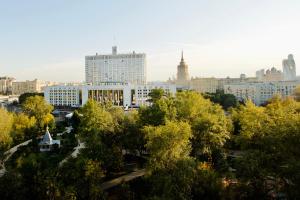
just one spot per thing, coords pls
(181, 55)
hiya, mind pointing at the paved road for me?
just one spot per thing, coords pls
(128, 177)
(75, 153)
(9, 153)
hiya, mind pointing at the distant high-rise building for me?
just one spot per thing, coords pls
(182, 72)
(260, 74)
(6, 85)
(130, 68)
(289, 68)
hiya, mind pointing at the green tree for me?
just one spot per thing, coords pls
(158, 113)
(93, 176)
(269, 137)
(174, 182)
(210, 127)
(206, 184)
(211, 130)
(297, 93)
(117, 115)
(22, 127)
(167, 143)
(170, 168)
(101, 128)
(95, 119)
(6, 123)
(249, 121)
(156, 94)
(36, 106)
(23, 97)
(190, 105)
(133, 139)
(75, 120)
(225, 100)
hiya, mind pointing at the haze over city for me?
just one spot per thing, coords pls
(47, 40)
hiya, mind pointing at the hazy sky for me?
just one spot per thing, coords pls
(48, 39)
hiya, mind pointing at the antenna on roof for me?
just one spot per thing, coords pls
(114, 41)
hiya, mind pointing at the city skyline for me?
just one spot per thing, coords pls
(218, 39)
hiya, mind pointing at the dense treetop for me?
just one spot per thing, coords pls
(189, 145)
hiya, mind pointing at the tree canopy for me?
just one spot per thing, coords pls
(189, 145)
(36, 106)
(23, 97)
(6, 124)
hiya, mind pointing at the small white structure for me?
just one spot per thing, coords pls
(47, 142)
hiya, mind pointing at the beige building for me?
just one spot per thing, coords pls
(211, 85)
(270, 75)
(182, 73)
(204, 85)
(21, 87)
(242, 79)
(6, 85)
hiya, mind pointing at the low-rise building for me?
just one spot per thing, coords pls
(260, 92)
(140, 93)
(242, 79)
(21, 87)
(204, 85)
(211, 85)
(119, 94)
(270, 75)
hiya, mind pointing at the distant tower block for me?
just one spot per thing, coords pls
(114, 50)
(182, 72)
(115, 67)
(289, 68)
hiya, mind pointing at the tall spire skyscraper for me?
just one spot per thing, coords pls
(182, 72)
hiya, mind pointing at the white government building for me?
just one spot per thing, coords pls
(116, 78)
(120, 94)
(127, 68)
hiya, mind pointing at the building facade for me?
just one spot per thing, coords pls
(270, 75)
(289, 68)
(21, 87)
(119, 94)
(204, 85)
(141, 93)
(260, 92)
(63, 95)
(182, 73)
(242, 79)
(130, 68)
(6, 85)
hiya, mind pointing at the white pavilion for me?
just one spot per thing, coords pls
(46, 144)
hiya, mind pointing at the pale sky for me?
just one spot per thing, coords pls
(49, 39)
